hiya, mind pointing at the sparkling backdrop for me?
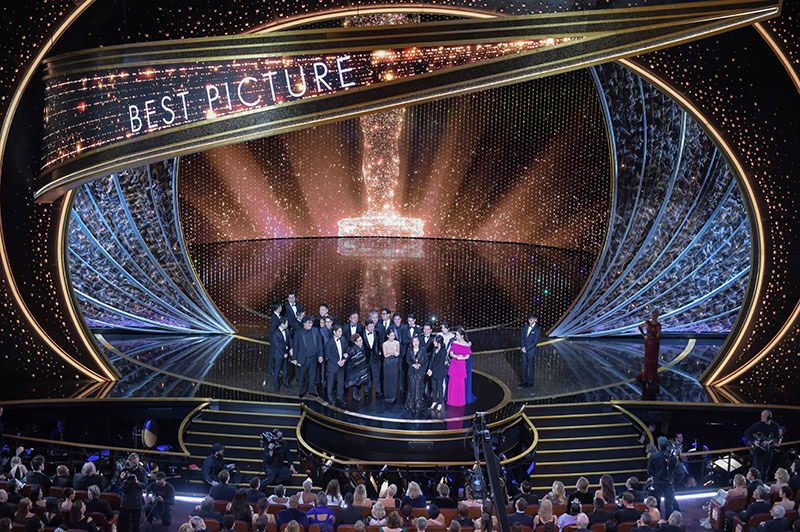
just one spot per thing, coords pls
(526, 163)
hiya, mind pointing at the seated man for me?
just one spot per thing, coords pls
(635, 486)
(627, 514)
(94, 504)
(520, 516)
(292, 513)
(599, 515)
(674, 523)
(215, 462)
(759, 506)
(222, 491)
(160, 497)
(582, 523)
(581, 492)
(206, 510)
(36, 475)
(645, 523)
(778, 523)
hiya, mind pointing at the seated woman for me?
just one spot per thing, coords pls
(414, 496)
(392, 524)
(558, 493)
(360, 498)
(545, 514)
(781, 480)
(388, 500)
(571, 517)
(333, 494)
(69, 499)
(321, 514)
(240, 509)
(652, 508)
(607, 492)
(279, 497)
(306, 496)
(786, 499)
(52, 518)
(23, 511)
(435, 517)
(378, 515)
(79, 520)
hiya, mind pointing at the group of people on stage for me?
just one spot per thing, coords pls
(399, 361)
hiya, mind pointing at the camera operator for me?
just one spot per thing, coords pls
(277, 462)
(215, 462)
(160, 497)
(133, 482)
(661, 466)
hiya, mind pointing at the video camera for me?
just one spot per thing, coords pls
(272, 437)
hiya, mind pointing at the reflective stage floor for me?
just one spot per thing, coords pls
(569, 369)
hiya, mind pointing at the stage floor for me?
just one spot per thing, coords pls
(566, 370)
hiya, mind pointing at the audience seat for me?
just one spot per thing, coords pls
(532, 509)
(373, 529)
(366, 511)
(559, 509)
(81, 495)
(103, 524)
(304, 508)
(753, 522)
(640, 507)
(599, 527)
(241, 526)
(314, 528)
(474, 512)
(16, 527)
(419, 512)
(345, 528)
(449, 514)
(212, 525)
(220, 506)
(56, 491)
(275, 509)
(717, 517)
(626, 527)
(112, 498)
(3, 484)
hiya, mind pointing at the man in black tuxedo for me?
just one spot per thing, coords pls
(292, 309)
(761, 505)
(275, 320)
(279, 351)
(307, 351)
(335, 358)
(408, 330)
(382, 325)
(374, 353)
(627, 513)
(778, 523)
(351, 328)
(530, 337)
(426, 338)
(326, 333)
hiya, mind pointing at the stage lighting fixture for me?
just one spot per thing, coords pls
(150, 433)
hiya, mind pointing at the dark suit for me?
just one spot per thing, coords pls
(306, 349)
(291, 314)
(274, 322)
(627, 515)
(347, 334)
(438, 367)
(522, 518)
(334, 371)
(382, 329)
(529, 337)
(278, 350)
(599, 516)
(426, 345)
(775, 525)
(406, 334)
(757, 507)
(662, 467)
(375, 359)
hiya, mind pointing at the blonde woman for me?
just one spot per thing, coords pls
(558, 494)
(545, 514)
(360, 498)
(378, 515)
(652, 508)
(18, 469)
(389, 501)
(781, 480)
(306, 497)
(414, 496)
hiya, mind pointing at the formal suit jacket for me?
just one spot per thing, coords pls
(406, 334)
(775, 525)
(438, 363)
(332, 354)
(326, 335)
(398, 331)
(426, 345)
(381, 330)
(529, 341)
(277, 345)
(290, 314)
(522, 518)
(274, 322)
(757, 507)
(374, 352)
(347, 335)
(307, 346)
(317, 318)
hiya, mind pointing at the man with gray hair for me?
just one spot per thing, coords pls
(581, 522)
(6, 510)
(645, 523)
(95, 504)
(674, 523)
(422, 524)
(778, 522)
(759, 506)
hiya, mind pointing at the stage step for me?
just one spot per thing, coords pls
(589, 440)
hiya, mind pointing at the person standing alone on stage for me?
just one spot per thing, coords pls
(651, 331)
(530, 337)
(279, 350)
(762, 436)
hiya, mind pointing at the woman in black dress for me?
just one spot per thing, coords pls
(391, 367)
(438, 372)
(417, 360)
(357, 368)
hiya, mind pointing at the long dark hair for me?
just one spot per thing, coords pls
(460, 330)
(240, 508)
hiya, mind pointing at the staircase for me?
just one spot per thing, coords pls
(585, 439)
(238, 425)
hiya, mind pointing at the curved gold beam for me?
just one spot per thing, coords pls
(105, 374)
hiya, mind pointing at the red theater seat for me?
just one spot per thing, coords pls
(241, 526)
(212, 525)
(626, 527)
(112, 498)
(717, 516)
(753, 522)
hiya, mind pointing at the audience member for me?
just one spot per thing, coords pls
(644, 524)
(206, 510)
(360, 526)
(306, 496)
(483, 523)
(674, 522)
(240, 509)
(435, 517)
(581, 492)
(406, 515)
(599, 514)
(222, 491)
(18, 470)
(786, 499)
(414, 496)
(13, 493)
(321, 514)
(627, 513)
(88, 476)
(253, 493)
(69, 498)
(753, 481)
(781, 480)
(279, 497)
(634, 486)
(333, 493)
(360, 498)
(422, 524)
(34, 524)
(794, 480)
(463, 515)
(292, 513)
(37, 477)
(525, 493)
(62, 478)
(607, 492)
(262, 522)
(186, 527)
(198, 524)
(23, 512)
(378, 515)
(392, 523)
(51, 517)
(455, 526)
(95, 504)
(545, 514)
(571, 516)
(778, 523)
(228, 523)
(5, 524)
(442, 499)
(389, 500)
(6, 510)
(581, 522)
(350, 513)
(558, 494)
(652, 507)
(759, 506)
(79, 520)
(519, 516)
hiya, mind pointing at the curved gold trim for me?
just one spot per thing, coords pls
(185, 421)
(91, 446)
(637, 421)
(587, 473)
(4, 133)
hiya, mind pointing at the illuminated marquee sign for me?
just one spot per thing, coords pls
(112, 108)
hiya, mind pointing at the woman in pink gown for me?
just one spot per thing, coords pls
(460, 352)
